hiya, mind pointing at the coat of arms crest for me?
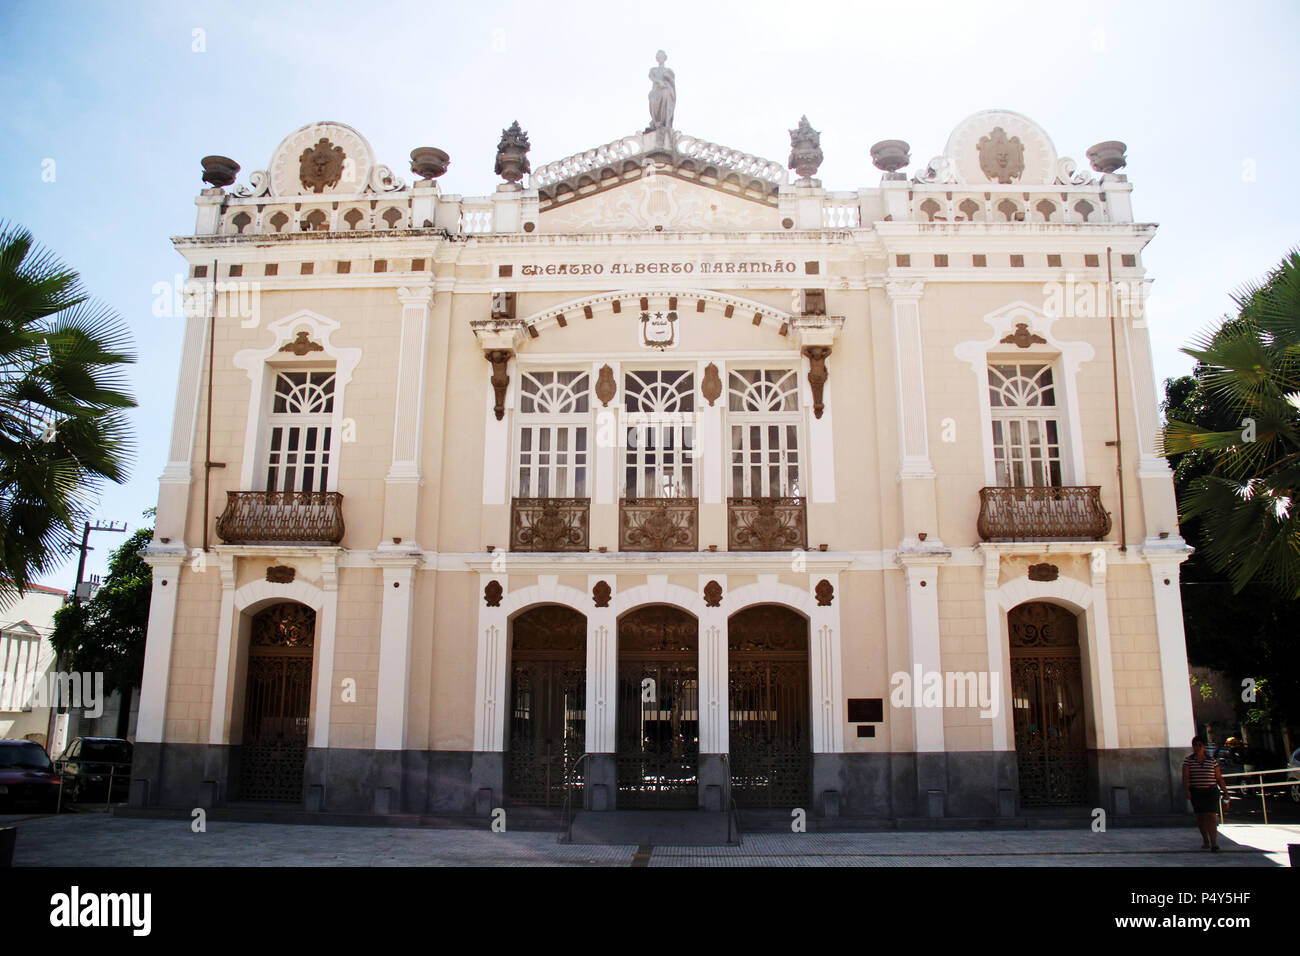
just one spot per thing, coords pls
(1001, 159)
(659, 329)
(320, 166)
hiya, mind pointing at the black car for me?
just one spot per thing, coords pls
(1244, 759)
(88, 765)
(28, 780)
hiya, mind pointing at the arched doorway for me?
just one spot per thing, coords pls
(768, 709)
(548, 704)
(1047, 705)
(658, 710)
(277, 700)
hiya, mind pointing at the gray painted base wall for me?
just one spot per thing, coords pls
(881, 786)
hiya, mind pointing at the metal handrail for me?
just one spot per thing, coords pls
(1260, 785)
(569, 777)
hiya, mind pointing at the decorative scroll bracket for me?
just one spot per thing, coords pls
(817, 374)
(500, 360)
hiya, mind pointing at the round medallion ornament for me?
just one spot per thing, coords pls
(998, 146)
(320, 160)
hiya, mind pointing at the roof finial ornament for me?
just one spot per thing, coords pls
(663, 95)
(512, 154)
(805, 149)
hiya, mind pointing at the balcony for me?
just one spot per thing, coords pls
(659, 524)
(549, 524)
(1043, 514)
(767, 524)
(282, 517)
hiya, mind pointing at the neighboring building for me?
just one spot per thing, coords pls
(27, 660)
(669, 461)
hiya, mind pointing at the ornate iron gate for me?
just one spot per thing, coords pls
(276, 704)
(1047, 703)
(658, 710)
(548, 704)
(771, 760)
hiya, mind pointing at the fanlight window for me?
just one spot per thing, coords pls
(300, 431)
(1026, 429)
(659, 460)
(763, 419)
(554, 419)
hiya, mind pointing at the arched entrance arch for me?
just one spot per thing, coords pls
(769, 714)
(1048, 705)
(547, 720)
(277, 703)
(658, 719)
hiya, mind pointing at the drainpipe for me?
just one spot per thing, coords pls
(1114, 370)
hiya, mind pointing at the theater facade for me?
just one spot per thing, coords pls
(663, 477)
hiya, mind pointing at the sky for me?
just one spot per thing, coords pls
(109, 108)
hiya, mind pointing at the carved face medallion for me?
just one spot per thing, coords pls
(1001, 159)
(320, 166)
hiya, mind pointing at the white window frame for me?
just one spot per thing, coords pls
(325, 454)
(561, 479)
(1028, 420)
(641, 435)
(788, 380)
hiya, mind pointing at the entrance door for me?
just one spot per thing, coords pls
(1047, 703)
(276, 704)
(548, 704)
(771, 762)
(658, 710)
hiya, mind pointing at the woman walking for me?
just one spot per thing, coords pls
(1202, 782)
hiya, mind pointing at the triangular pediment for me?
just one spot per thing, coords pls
(663, 178)
(659, 202)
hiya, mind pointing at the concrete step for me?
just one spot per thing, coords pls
(651, 828)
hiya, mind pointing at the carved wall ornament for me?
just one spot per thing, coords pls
(280, 574)
(512, 154)
(493, 593)
(711, 386)
(302, 344)
(500, 359)
(601, 594)
(1023, 338)
(606, 389)
(1001, 158)
(805, 149)
(321, 166)
(817, 374)
(713, 594)
(825, 592)
(1044, 572)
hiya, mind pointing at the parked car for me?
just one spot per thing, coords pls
(89, 763)
(1245, 759)
(28, 780)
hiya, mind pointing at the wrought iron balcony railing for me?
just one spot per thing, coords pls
(549, 524)
(1038, 514)
(658, 524)
(766, 524)
(282, 517)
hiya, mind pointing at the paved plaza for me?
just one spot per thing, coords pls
(98, 839)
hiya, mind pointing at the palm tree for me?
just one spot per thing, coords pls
(1246, 496)
(62, 426)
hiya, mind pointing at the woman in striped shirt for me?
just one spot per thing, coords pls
(1202, 781)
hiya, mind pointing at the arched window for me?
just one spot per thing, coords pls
(299, 430)
(660, 457)
(553, 447)
(1026, 427)
(763, 419)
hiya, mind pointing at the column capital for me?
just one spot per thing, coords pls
(415, 295)
(905, 290)
(498, 334)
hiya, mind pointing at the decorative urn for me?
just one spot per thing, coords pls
(891, 155)
(1108, 157)
(512, 154)
(219, 171)
(429, 163)
(805, 149)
